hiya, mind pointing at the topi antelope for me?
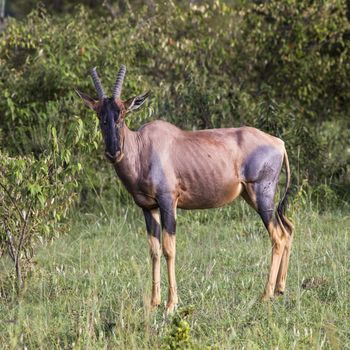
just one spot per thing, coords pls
(165, 168)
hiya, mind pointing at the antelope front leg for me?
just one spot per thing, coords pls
(169, 250)
(153, 231)
(168, 218)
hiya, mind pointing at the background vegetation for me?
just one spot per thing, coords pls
(281, 66)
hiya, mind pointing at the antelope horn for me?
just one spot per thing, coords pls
(97, 83)
(117, 89)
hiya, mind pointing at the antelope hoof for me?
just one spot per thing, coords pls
(155, 303)
(170, 308)
(266, 297)
(279, 292)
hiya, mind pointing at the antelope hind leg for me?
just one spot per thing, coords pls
(283, 269)
(260, 195)
(278, 240)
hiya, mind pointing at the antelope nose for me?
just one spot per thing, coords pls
(110, 157)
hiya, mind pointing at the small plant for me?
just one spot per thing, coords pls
(178, 336)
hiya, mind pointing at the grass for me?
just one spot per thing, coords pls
(91, 288)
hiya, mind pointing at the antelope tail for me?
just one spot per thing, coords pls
(287, 224)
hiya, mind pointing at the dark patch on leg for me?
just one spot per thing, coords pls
(168, 220)
(261, 198)
(265, 196)
(152, 226)
(266, 216)
(167, 213)
(262, 169)
(262, 164)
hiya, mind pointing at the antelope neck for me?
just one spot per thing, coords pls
(128, 167)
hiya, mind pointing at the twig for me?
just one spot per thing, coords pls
(20, 244)
(12, 200)
(11, 247)
(2, 10)
(23, 231)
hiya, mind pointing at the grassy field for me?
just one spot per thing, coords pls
(90, 289)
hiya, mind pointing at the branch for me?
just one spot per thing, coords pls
(2, 10)
(23, 231)
(13, 201)
(11, 246)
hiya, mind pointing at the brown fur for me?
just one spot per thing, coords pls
(213, 178)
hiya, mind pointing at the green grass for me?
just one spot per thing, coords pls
(91, 288)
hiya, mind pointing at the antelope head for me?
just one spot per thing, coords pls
(111, 112)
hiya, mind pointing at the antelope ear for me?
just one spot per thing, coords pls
(89, 102)
(134, 103)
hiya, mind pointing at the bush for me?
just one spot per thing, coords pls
(35, 195)
(281, 66)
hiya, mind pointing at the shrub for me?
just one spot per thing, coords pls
(35, 195)
(278, 65)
